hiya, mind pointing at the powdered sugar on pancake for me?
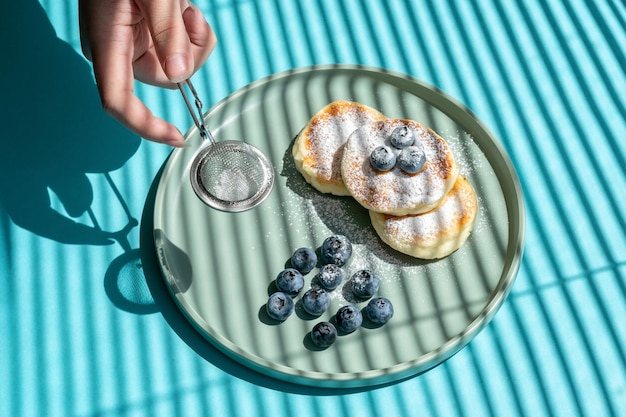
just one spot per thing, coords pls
(434, 234)
(318, 148)
(396, 192)
(429, 226)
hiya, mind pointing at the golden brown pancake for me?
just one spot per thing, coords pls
(318, 147)
(435, 234)
(396, 192)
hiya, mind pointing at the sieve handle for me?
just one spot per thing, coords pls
(198, 118)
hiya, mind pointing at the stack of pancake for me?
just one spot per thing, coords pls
(427, 215)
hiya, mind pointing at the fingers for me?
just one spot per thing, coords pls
(131, 112)
(169, 34)
(201, 40)
(113, 68)
(160, 42)
(200, 34)
(128, 109)
(114, 76)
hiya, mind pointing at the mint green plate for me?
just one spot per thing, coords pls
(220, 266)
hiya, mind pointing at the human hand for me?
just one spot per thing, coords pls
(159, 42)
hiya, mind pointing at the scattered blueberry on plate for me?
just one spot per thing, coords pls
(323, 334)
(379, 310)
(349, 318)
(383, 158)
(365, 283)
(411, 159)
(401, 137)
(330, 276)
(280, 306)
(336, 250)
(304, 260)
(315, 301)
(290, 281)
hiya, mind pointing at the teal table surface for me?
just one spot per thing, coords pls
(88, 326)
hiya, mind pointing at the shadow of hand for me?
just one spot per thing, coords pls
(54, 130)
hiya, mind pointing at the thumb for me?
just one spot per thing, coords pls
(169, 35)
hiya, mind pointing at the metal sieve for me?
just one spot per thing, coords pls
(228, 175)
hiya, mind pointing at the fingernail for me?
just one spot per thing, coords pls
(178, 144)
(175, 68)
(193, 12)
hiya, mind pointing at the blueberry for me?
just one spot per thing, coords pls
(336, 250)
(290, 281)
(304, 260)
(401, 137)
(330, 276)
(383, 158)
(379, 310)
(348, 318)
(364, 283)
(411, 160)
(323, 334)
(280, 306)
(315, 301)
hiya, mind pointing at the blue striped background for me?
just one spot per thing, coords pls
(547, 76)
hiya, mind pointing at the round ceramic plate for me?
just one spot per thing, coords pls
(220, 266)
